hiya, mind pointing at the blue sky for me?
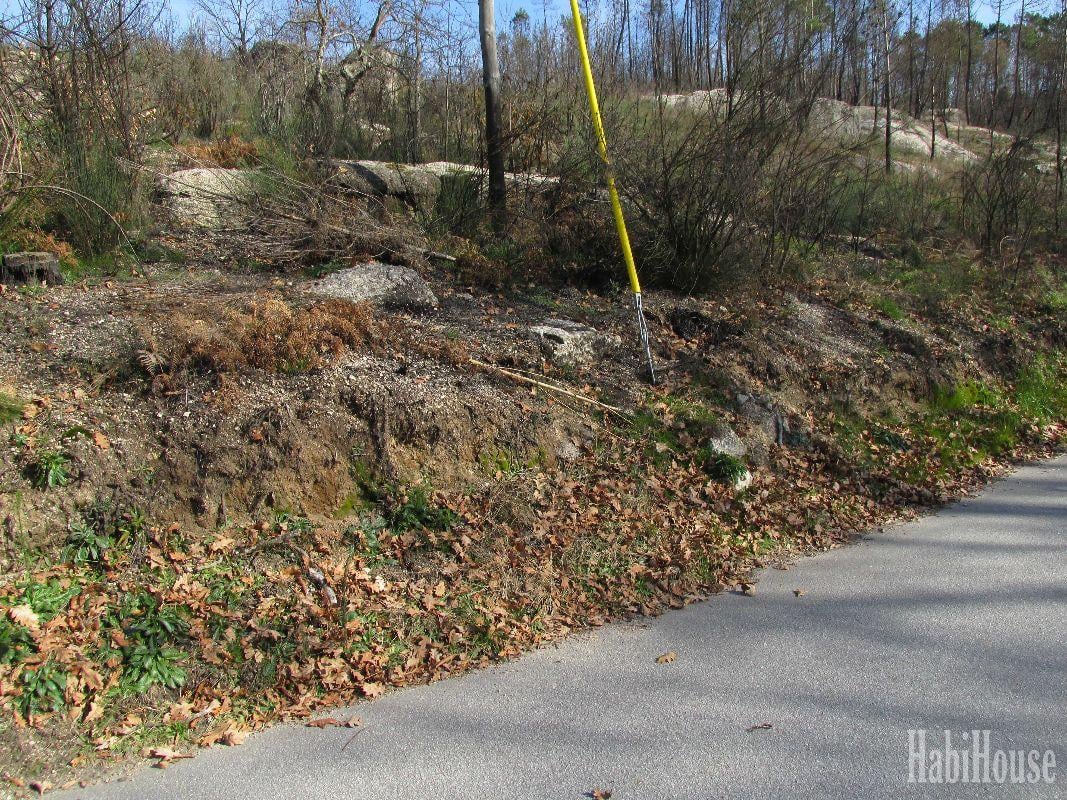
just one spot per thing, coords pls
(984, 11)
(183, 10)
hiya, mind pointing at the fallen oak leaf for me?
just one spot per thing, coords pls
(324, 722)
(222, 544)
(24, 615)
(101, 441)
(372, 690)
(166, 755)
(233, 737)
(667, 657)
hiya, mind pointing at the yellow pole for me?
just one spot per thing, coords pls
(613, 193)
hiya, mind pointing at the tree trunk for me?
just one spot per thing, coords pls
(493, 138)
(888, 90)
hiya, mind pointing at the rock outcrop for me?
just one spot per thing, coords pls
(206, 197)
(419, 186)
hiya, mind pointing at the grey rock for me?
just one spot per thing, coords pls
(206, 197)
(31, 268)
(742, 482)
(415, 186)
(725, 440)
(383, 284)
(568, 343)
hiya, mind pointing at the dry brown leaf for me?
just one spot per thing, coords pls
(94, 712)
(101, 441)
(166, 755)
(232, 737)
(667, 657)
(26, 616)
(372, 689)
(333, 722)
(763, 726)
(799, 593)
(221, 545)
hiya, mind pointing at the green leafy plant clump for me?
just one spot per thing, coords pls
(888, 307)
(1041, 389)
(150, 632)
(16, 642)
(50, 469)
(723, 467)
(415, 510)
(86, 544)
(43, 689)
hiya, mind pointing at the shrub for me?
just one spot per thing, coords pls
(268, 334)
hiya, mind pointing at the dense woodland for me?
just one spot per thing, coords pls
(93, 90)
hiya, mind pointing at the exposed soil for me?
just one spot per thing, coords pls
(223, 404)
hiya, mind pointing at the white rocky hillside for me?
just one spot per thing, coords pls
(856, 124)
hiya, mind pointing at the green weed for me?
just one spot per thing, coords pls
(1041, 390)
(888, 307)
(86, 544)
(367, 541)
(43, 689)
(286, 520)
(723, 467)
(151, 631)
(49, 470)
(10, 408)
(415, 510)
(16, 642)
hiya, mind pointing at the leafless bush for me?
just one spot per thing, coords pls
(296, 224)
(729, 185)
(10, 151)
(1006, 198)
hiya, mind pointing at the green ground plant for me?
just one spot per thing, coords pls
(43, 689)
(49, 469)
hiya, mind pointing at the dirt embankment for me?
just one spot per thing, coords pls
(288, 501)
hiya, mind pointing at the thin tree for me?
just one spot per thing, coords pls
(494, 140)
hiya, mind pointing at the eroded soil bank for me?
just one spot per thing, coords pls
(227, 499)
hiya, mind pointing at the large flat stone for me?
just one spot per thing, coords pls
(383, 284)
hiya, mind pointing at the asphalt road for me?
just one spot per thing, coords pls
(955, 622)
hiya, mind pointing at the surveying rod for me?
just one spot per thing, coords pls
(613, 193)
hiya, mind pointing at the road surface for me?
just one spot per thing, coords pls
(955, 622)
